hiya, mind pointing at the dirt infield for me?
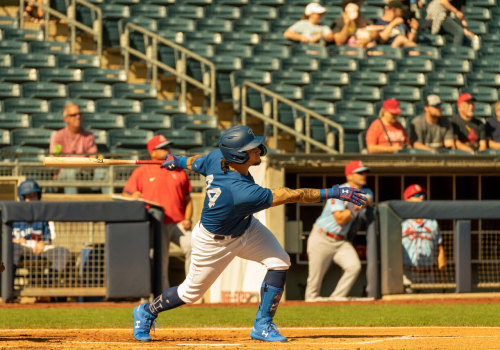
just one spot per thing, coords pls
(238, 338)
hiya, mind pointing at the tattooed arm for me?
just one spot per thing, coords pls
(286, 195)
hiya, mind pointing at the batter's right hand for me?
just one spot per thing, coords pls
(349, 194)
(171, 162)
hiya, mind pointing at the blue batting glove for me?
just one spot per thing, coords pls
(349, 194)
(171, 162)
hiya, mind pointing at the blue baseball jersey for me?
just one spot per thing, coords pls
(419, 242)
(36, 231)
(231, 197)
(327, 222)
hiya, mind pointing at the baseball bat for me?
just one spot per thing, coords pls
(77, 162)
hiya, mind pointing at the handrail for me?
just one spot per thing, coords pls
(71, 20)
(277, 125)
(179, 73)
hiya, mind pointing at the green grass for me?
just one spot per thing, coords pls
(288, 316)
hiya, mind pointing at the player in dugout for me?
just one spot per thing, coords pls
(228, 229)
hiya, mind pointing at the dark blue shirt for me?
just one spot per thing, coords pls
(493, 129)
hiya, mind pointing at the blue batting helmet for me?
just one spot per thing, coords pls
(28, 186)
(238, 139)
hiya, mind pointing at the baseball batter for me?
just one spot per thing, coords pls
(327, 241)
(228, 229)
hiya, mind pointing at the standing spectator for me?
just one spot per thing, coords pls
(73, 140)
(172, 190)
(438, 13)
(386, 134)
(493, 128)
(353, 29)
(393, 29)
(328, 239)
(34, 239)
(430, 131)
(309, 29)
(470, 132)
(420, 239)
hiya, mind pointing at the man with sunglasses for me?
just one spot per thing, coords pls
(420, 239)
(328, 240)
(430, 131)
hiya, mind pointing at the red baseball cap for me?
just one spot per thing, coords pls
(464, 98)
(356, 166)
(159, 141)
(413, 190)
(392, 105)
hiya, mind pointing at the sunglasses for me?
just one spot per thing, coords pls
(418, 195)
(72, 114)
(436, 106)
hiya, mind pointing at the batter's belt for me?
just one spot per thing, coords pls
(224, 237)
(331, 235)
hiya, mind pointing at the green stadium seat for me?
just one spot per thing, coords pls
(137, 40)
(362, 93)
(490, 38)
(5, 137)
(86, 106)
(446, 93)
(9, 90)
(323, 92)
(60, 75)
(194, 2)
(13, 47)
(206, 37)
(350, 122)
(148, 121)
(291, 12)
(129, 138)
(177, 24)
(45, 90)
(446, 108)
(186, 11)
(237, 78)
(34, 60)
(402, 93)
(264, 63)
(225, 65)
(477, 27)
(162, 106)
(273, 3)
(482, 110)
(348, 51)
(385, 51)
(18, 75)
(286, 115)
(307, 51)
(369, 78)
(211, 137)
(78, 61)
(25, 105)
(251, 25)
(241, 38)
(89, 90)
(194, 121)
(332, 78)
(23, 153)
(446, 78)
(321, 107)
(100, 139)
(5, 60)
(300, 63)
(52, 47)
(275, 37)
(483, 93)
(103, 121)
(490, 49)
(408, 78)
(338, 64)
(238, 3)
(260, 12)
(8, 22)
(359, 108)
(486, 64)
(201, 49)
(149, 10)
(290, 92)
(415, 64)
(104, 75)
(279, 26)
(460, 52)
(21, 34)
(52, 121)
(484, 79)
(125, 2)
(224, 12)
(424, 51)
(378, 64)
(183, 138)
(435, 40)
(485, 3)
(134, 91)
(234, 49)
(271, 49)
(38, 137)
(455, 65)
(291, 78)
(332, 13)
(118, 106)
(14, 121)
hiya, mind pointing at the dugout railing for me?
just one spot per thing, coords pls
(471, 240)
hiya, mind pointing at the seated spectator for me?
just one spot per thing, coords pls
(34, 13)
(493, 128)
(470, 133)
(386, 134)
(393, 29)
(420, 239)
(34, 239)
(438, 14)
(353, 29)
(309, 29)
(430, 131)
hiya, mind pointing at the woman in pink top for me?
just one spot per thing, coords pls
(386, 134)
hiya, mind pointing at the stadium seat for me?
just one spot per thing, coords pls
(378, 64)
(89, 90)
(321, 107)
(201, 49)
(402, 93)
(484, 79)
(415, 64)
(273, 50)
(186, 11)
(241, 38)
(347, 51)
(482, 110)
(275, 37)
(290, 92)
(323, 92)
(291, 12)
(360, 108)
(60, 75)
(490, 38)
(183, 138)
(234, 49)
(100, 139)
(408, 78)
(459, 52)
(290, 77)
(18, 75)
(13, 47)
(13, 120)
(52, 121)
(21, 34)
(34, 60)
(138, 40)
(118, 106)
(9, 90)
(362, 93)
(385, 51)
(52, 47)
(103, 121)
(23, 153)
(195, 2)
(332, 78)
(251, 25)
(162, 106)
(211, 137)
(206, 37)
(78, 61)
(264, 63)
(338, 64)
(408, 109)
(350, 122)
(273, 3)
(38, 137)
(306, 51)
(222, 11)
(149, 10)
(423, 51)
(86, 106)
(134, 91)
(177, 24)
(426, 38)
(25, 105)
(446, 78)
(477, 27)
(455, 65)
(194, 121)
(45, 90)
(371, 12)
(487, 64)
(300, 63)
(260, 12)
(237, 78)
(446, 108)
(5, 60)
(129, 138)
(5, 137)
(111, 14)
(483, 93)
(369, 78)
(446, 93)
(148, 121)
(104, 75)
(8, 22)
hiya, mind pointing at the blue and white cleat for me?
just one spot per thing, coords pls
(143, 322)
(264, 329)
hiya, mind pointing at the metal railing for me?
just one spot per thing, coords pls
(151, 57)
(306, 137)
(70, 18)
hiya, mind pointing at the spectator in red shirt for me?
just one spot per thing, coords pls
(386, 134)
(170, 189)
